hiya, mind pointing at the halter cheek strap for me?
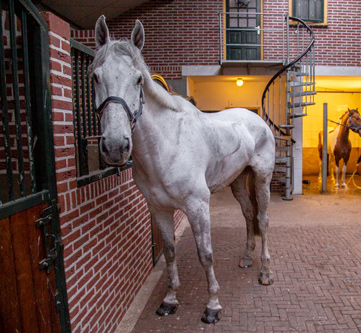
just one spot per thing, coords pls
(114, 99)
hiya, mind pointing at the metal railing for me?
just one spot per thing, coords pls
(270, 36)
(298, 77)
(305, 57)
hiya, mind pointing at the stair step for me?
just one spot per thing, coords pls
(302, 93)
(280, 169)
(286, 126)
(301, 84)
(283, 137)
(297, 105)
(295, 73)
(282, 180)
(297, 115)
(283, 148)
(281, 159)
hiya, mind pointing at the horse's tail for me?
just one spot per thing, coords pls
(252, 196)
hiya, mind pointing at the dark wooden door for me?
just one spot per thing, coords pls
(243, 30)
(26, 292)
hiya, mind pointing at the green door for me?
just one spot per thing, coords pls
(243, 24)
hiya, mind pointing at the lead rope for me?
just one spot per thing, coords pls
(353, 180)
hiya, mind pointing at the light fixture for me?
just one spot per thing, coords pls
(239, 82)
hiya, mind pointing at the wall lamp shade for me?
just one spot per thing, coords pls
(239, 82)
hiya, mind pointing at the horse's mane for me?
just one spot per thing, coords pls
(126, 48)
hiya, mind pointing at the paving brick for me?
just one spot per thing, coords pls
(310, 293)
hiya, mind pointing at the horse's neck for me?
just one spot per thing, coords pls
(344, 131)
(150, 135)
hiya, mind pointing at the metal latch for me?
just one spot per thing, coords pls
(53, 244)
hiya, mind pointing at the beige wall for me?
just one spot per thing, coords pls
(338, 103)
(216, 95)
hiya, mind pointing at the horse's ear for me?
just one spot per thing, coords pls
(101, 32)
(138, 35)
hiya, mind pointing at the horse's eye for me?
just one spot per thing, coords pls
(140, 80)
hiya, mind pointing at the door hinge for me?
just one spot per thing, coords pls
(53, 244)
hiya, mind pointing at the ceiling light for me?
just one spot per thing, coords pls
(239, 82)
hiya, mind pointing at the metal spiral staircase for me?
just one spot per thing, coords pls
(292, 89)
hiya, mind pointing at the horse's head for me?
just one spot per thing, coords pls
(118, 90)
(354, 121)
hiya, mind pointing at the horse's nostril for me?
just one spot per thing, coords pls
(126, 145)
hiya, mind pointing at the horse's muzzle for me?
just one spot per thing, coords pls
(115, 152)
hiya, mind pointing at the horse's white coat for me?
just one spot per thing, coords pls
(181, 155)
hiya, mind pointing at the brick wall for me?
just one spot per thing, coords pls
(177, 33)
(185, 32)
(105, 225)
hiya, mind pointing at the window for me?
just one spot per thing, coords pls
(313, 11)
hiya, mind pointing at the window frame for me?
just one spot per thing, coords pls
(311, 22)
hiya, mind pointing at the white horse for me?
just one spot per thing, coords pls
(181, 156)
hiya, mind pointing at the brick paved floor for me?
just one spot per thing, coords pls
(317, 281)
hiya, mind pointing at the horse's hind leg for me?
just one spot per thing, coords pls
(165, 222)
(240, 192)
(262, 193)
(197, 211)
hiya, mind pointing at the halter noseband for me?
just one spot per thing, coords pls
(114, 99)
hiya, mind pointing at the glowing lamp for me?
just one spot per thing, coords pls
(239, 82)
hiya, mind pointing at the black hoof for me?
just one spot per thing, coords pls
(211, 316)
(166, 309)
(265, 279)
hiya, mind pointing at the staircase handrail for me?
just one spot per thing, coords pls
(283, 69)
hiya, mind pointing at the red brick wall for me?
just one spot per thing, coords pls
(185, 32)
(181, 32)
(105, 225)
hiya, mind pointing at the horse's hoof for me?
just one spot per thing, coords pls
(246, 262)
(166, 309)
(211, 316)
(265, 279)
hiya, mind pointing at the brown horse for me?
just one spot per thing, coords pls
(339, 145)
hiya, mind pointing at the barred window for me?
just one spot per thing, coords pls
(309, 10)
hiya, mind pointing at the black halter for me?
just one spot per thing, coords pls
(114, 99)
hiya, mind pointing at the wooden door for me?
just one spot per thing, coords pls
(243, 30)
(26, 292)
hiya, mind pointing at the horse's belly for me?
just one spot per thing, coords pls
(225, 172)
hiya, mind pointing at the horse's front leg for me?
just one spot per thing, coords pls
(165, 222)
(332, 170)
(198, 215)
(343, 184)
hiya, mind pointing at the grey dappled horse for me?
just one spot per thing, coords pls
(181, 156)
